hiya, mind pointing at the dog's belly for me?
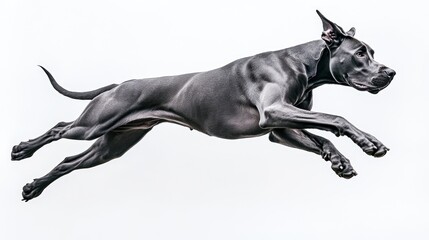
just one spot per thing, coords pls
(242, 124)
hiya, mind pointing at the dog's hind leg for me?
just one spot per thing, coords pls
(109, 146)
(98, 118)
(27, 149)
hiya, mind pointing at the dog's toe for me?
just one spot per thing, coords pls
(16, 148)
(370, 149)
(381, 152)
(348, 174)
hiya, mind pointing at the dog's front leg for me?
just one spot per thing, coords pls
(280, 115)
(307, 141)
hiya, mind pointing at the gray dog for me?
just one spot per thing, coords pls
(267, 93)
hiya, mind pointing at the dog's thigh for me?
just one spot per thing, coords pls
(101, 115)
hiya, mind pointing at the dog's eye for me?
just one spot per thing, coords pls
(360, 54)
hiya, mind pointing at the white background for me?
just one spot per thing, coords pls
(178, 184)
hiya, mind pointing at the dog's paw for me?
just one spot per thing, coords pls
(340, 164)
(22, 151)
(342, 167)
(372, 146)
(31, 190)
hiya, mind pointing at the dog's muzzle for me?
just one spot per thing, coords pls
(384, 80)
(380, 81)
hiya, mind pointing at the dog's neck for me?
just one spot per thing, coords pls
(315, 58)
(323, 73)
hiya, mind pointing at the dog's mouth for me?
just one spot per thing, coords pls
(368, 86)
(361, 86)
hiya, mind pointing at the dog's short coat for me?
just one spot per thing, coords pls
(267, 93)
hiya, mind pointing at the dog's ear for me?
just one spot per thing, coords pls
(351, 32)
(332, 34)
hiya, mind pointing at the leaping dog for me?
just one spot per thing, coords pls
(269, 93)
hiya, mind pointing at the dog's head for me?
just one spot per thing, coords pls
(352, 61)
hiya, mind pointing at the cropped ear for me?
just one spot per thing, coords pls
(351, 32)
(332, 34)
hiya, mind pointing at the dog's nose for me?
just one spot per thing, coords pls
(390, 72)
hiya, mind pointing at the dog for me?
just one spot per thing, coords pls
(269, 93)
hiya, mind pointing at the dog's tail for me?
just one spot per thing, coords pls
(77, 95)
